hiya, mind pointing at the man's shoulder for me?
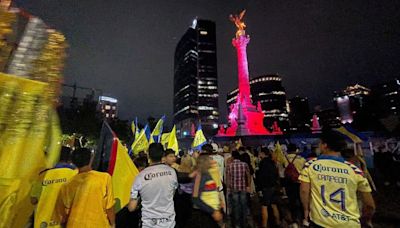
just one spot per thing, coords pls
(158, 167)
(100, 175)
(309, 162)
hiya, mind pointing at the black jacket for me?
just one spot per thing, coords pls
(267, 175)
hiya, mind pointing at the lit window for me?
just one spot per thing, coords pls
(203, 33)
(107, 107)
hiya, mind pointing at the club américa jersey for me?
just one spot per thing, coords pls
(334, 185)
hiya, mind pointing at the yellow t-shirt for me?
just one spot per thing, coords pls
(298, 162)
(87, 196)
(334, 186)
(46, 190)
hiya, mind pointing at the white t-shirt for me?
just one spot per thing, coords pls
(156, 186)
(221, 164)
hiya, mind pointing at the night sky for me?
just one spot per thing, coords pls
(126, 47)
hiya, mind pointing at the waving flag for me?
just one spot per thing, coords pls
(350, 133)
(165, 139)
(157, 131)
(147, 132)
(173, 141)
(199, 139)
(141, 143)
(280, 157)
(137, 132)
(133, 128)
(112, 157)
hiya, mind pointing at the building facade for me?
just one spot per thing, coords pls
(354, 106)
(108, 106)
(270, 93)
(386, 98)
(195, 79)
(299, 114)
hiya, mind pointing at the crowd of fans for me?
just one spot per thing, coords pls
(223, 186)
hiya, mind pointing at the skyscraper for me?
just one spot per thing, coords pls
(268, 90)
(386, 99)
(354, 106)
(195, 79)
(299, 113)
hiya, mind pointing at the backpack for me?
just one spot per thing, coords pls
(291, 172)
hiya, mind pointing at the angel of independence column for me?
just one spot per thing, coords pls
(245, 118)
(240, 43)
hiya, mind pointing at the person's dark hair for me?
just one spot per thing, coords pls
(245, 157)
(81, 157)
(141, 162)
(291, 148)
(169, 151)
(181, 153)
(142, 154)
(156, 152)
(65, 155)
(265, 150)
(242, 149)
(235, 154)
(207, 148)
(333, 140)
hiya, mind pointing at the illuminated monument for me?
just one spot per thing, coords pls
(245, 118)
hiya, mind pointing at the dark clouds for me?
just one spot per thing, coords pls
(126, 47)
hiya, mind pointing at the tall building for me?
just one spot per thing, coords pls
(299, 113)
(354, 105)
(386, 98)
(328, 118)
(108, 107)
(195, 79)
(268, 90)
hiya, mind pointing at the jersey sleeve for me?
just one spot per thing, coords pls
(109, 199)
(363, 184)
(136, 187)
(305, 175)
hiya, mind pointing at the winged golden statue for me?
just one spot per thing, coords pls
(240, 25)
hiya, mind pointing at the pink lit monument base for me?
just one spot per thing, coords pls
(245, 118)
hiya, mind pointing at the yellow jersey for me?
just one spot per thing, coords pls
(334, 185)
(46, 190)
(87, 197)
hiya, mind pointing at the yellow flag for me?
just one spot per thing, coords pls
(133, 128)
(173, 141)
(141, 143)
(123, 175)
(165, 139)
(199, 139)
(279, 154)
(157, 131)
(26, 128)
(8, 192)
